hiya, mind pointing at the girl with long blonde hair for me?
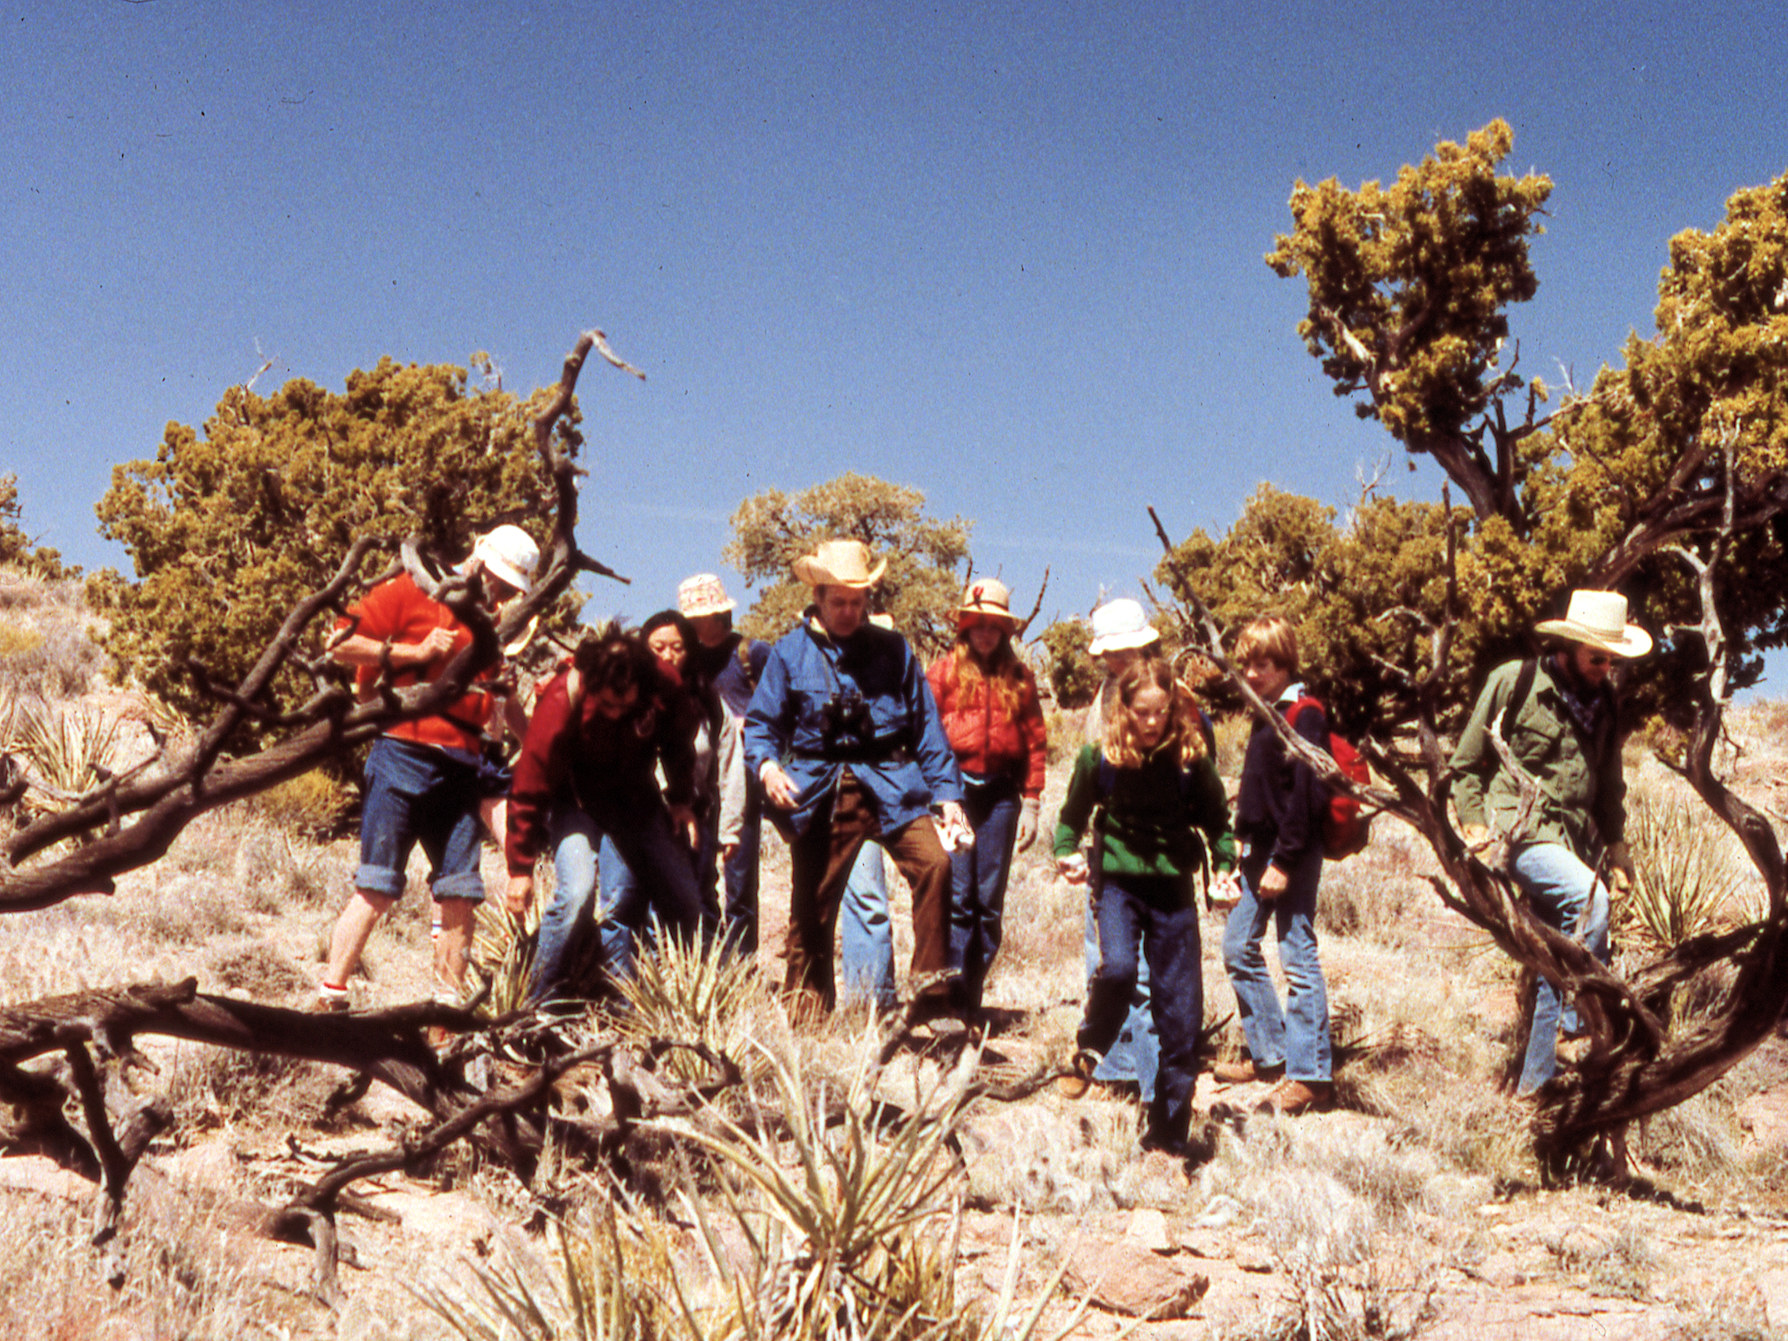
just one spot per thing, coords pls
(1150, 792)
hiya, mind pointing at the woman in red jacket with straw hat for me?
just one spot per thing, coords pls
(987, 698)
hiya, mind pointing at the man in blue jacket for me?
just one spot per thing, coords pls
(845, 737)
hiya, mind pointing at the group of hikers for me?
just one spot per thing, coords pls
(650, 759)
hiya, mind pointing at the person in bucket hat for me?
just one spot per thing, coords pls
(727, 665)
(844, 735)
(1559, 716)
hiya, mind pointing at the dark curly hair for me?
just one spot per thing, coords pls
(608, 659)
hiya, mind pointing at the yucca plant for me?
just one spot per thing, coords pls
(689, 991)
(67, 751)
(848, 1222)
(503, 955)
(1686, 877)
(815, 1220)
(595, 1285)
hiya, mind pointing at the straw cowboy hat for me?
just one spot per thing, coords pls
(989, 598)
(701, 595)
(839, 563)
(1119, 625)
(1599, 618)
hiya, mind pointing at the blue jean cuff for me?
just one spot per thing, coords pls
(379, 880)
(467, 885)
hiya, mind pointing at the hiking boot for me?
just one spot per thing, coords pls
(1291, 1097)
(1245, 1072)
(1079, 1079)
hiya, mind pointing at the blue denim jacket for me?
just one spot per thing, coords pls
(900, 753)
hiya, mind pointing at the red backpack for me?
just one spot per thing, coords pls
(1346, 829)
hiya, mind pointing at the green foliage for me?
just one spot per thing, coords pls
(16, 549)
(1364, 598)
(922, 584)
(1074, 675)
(228, 529)
(1408, 286)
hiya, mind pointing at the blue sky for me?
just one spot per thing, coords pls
(1007, 253)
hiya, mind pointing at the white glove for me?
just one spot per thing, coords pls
(1027, 823)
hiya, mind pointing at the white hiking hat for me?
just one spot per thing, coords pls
(1120, 625)
(508, 553)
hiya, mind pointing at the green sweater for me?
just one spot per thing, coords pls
(1155, 823)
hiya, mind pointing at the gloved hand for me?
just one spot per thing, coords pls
(1620, 868)
(1027, 823)
(1073, 868)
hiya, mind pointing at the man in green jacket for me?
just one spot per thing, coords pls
(1559, 719)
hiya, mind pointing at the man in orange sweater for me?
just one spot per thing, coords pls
(422, 777)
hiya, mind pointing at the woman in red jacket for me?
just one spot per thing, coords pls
(987, 698)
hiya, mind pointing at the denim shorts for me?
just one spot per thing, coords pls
(418, 794)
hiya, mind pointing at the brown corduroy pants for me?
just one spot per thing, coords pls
(822, 859)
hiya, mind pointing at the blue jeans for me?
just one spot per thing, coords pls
(417, 794)
(1136, 1054)
(1567, 897)
(978, 877)
(1298, 1036)
(1154, 914)
(642, 843)
(739, 871)
(866, 934)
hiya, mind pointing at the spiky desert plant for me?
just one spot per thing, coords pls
(68, 752)
(692, 992)
(1687, 877)
(822, 1216)
(595, 1285)
(845, 1211)
(503, 955)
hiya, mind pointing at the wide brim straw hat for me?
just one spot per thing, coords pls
(1119, 626)
(839, 563)
(701, 595)
(1599, 619)
(987, 598)
(509, 553)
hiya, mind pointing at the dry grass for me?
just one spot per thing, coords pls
(1353, 1209)
(188, 1278)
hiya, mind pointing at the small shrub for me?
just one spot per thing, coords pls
(1232, 733)
(16, 641)
(221, 1087)
(312, 805)
(502, 955)
(595, 1284)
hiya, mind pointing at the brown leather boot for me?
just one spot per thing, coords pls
(1291, 1097)
(1246, 1072)
(1079, 1079)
